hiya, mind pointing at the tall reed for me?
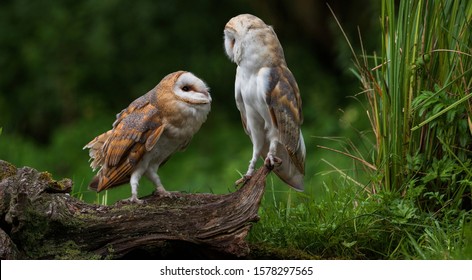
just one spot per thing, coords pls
(419, 96)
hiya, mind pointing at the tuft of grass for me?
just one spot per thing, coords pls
(441, 241)
(350, 223)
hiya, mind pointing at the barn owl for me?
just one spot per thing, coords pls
(148, 132)
(267, 97)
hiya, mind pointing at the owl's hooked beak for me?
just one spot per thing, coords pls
(196, 98)
(208, 98)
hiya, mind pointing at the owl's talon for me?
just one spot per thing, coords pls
(161, 192)
(272, 161)
(134, 200)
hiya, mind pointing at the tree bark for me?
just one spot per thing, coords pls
(40, 220)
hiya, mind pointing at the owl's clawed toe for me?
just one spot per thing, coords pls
(161, 192)
(134, 200)
(242, 181)
(272, 161)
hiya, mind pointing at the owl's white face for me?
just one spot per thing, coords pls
(191, 89)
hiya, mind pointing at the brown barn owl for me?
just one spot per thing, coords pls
(267, 97)
(148, 132)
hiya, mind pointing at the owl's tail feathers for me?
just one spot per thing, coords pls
(109, 178)
(95, 147)
(94, 183)
(292, 169)
(291, 176)
(97, 158)
(99, 183)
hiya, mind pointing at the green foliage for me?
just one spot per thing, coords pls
(81, 60)
(419, 97)
(70, 60)
(352, 224)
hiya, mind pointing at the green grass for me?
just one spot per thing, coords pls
(349, 223)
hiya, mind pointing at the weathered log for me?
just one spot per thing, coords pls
(40, 220)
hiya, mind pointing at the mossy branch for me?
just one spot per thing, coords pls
(40, 220)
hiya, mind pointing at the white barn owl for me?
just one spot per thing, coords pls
(267, 97)
(148, 132)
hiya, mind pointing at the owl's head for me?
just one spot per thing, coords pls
(249, 40)
(185, 87)
(191, 89)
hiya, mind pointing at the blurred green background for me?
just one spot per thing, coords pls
(68, 67)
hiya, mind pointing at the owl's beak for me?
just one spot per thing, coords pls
(208, 96)
(206, 93)
(200, 98)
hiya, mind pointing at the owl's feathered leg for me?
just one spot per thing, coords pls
(252, 163)
(272, 160)
(151, 173)
(134, 182)
(257, 144)
(249, 172)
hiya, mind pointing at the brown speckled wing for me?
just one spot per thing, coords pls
(285, 105)
(135, 131)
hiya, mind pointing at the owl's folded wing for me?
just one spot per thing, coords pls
(285, 107)
(135, 131)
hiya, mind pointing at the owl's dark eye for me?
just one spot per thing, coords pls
(186, 88)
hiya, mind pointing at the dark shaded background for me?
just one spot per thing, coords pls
(67, 67)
